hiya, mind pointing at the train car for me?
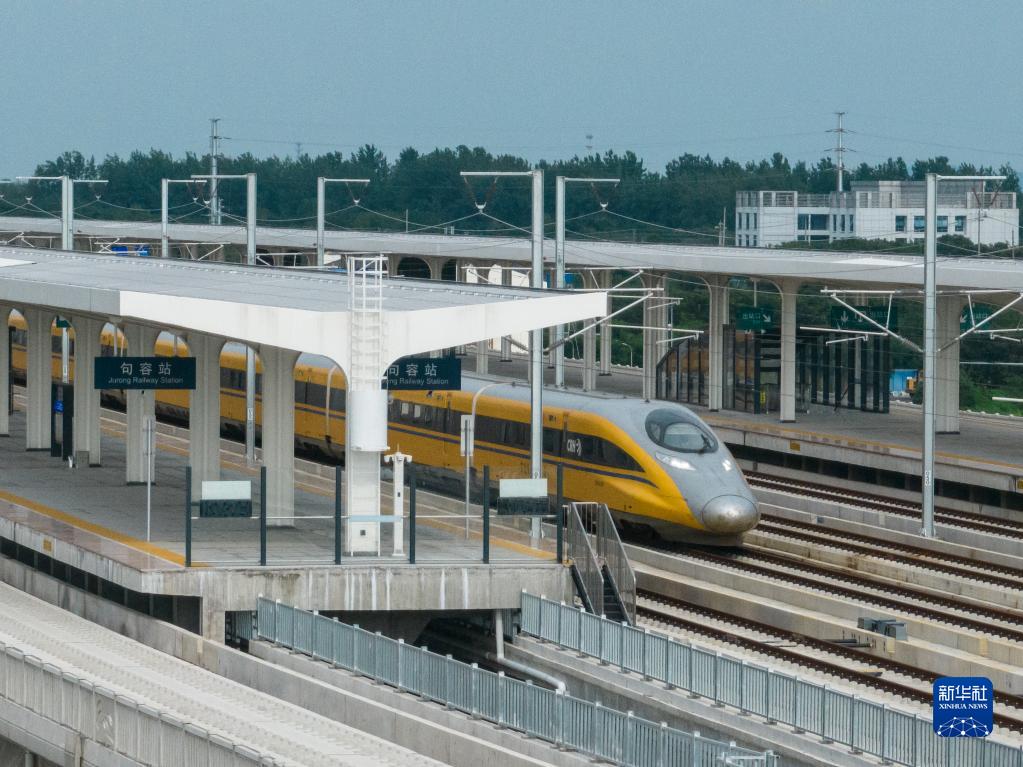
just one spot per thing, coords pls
(655, 464)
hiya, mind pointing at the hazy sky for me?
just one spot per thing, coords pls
(722, 77)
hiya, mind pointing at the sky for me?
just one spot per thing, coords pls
(535, 79)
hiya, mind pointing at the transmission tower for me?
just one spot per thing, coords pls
(214, 154)
(840, 150)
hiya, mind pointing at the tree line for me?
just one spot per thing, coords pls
(683, 203)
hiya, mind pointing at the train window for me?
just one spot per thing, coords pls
(489, 429)
(615, 456)
(55, 343)
(405, 408)
(315, 394)
(259, 383)
(517, 434)
(552, 441)
(337, 401)
(300, 392)
(586, 447)
(671, 429)
(417, 412)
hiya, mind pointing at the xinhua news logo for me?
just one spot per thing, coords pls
(964, 707)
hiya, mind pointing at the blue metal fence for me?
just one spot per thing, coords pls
(615, 736)
(835, 716)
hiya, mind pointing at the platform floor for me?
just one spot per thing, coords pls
(93, 508)
(987, 439)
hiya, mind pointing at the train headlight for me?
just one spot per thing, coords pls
(726, 465)
(674, 462)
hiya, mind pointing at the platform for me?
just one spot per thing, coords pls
(88, 519)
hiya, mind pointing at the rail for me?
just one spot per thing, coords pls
(556, 717)
(115, 721)
(585, 566)
(839, 717)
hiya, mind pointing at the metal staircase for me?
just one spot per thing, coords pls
(601, 572)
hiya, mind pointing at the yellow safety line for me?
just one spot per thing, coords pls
(100, 530)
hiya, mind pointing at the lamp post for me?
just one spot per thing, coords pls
(535, 336)
(164, 196)
(930, 339)
(559, 262)
(629, 347)
(470, 447)
(67, 242)
(321, 190)
(250, 259)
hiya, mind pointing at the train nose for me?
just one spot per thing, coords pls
(729, 514)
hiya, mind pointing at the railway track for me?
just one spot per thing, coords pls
(828, 658)
(952, 517)
(899, 599)
(1002, 576)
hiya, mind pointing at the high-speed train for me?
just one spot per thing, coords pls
(655, 464)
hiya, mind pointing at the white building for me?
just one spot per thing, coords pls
(874, 210)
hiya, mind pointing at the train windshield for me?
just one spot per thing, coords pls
(674, 431)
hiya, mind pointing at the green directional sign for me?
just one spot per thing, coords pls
(844, 319)
(144, 373)
(754, 318)
(981, 312)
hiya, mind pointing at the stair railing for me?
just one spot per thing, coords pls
(584, 559)
(612, 552)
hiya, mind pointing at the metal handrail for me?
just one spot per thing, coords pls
(583, 557)
(611, 550)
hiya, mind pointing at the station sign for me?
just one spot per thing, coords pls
(144, 373)
(754, 318)
(425, 374)
(843, 319)
(523, 497)
(981, 312)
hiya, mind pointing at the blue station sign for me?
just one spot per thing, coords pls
(144, 373)
(425, 374)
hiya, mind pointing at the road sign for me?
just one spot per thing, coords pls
(425, 374)
(466, 443)
(144, 373)
(844, 319)
(980, 313)
(754, 318)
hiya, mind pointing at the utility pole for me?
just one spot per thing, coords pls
(250, 355)
(321, 216)
(722, 227)
(214, 154)
(840, 151)
(535, 336)
(559, 264)
(930, 339)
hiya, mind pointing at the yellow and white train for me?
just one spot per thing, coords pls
(655, 464)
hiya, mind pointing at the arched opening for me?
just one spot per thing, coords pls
(449, 271)
(413, 268)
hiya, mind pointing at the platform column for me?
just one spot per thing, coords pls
(787, 399)
(716, 341)
(140, 405)
(87, 404)
(606, 334)
(204, 410)
(946, 368)
(654, 318)
(279, 433)
(5, 371)
(590, 357)
(38, 376)
(506, 279)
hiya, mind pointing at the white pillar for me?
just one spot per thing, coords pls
(590, 358)
(38, 377)
(5, 369)
(946, 368)
(506, 279)
(139, 404)
(716, 341)
(87, 398)
(654, 318)
(787, 406)
(204, 411)
(482, 357)
(606, 333)
(279, 433)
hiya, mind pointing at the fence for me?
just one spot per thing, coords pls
(833, 715)
(114, 721)
(556, 717)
